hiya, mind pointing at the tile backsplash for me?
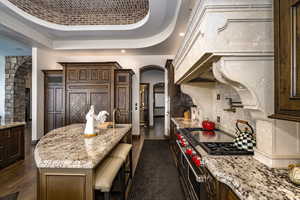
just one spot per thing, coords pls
(215, 102)
(228, 119)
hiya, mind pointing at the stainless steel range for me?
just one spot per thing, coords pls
(193, 173)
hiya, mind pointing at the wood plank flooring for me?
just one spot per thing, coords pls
(21, 177)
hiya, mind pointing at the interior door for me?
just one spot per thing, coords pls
(144, 104)
(54, 98)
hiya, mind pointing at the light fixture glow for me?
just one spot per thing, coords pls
(123, 51)
(181, 34)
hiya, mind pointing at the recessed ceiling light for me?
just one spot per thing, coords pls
(181, 34)
(123, 51)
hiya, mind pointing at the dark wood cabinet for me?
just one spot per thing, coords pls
(89, 84)
(69, 93)
(11, 145)
(287, 59)
(79, 101)
(225, 193)
(123, 95)
(54, 100)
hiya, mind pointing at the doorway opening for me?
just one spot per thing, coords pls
(152, 102)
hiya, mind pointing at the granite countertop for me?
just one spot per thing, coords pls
(11, 125)
(66, 147)
(247, 177)
(250, 179)
(181, 123)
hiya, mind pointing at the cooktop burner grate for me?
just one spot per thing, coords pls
(223, 148)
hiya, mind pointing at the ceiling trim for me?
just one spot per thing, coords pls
(59, 27)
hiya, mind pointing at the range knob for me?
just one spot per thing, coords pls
(183, 143)
(189, 151)
(197, 160)
(179, 136)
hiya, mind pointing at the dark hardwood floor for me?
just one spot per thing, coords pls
(157, 131)
(21, 177)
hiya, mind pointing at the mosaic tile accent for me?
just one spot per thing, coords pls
(86, 12)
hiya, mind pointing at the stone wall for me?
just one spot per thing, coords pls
(16, 70)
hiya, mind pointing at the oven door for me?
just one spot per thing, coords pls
(192, 176)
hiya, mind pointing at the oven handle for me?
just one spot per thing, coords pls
(199, 179)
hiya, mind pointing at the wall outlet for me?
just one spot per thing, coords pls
(218, 119)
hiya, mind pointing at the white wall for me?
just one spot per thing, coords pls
(152, 77)
(2, 87)
(48, 59)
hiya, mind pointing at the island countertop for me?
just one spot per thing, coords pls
(11, 125)
(67, 148)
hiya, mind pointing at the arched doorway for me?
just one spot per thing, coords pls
(152, 101)
(17, 88)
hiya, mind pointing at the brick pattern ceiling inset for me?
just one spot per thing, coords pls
(86, 12)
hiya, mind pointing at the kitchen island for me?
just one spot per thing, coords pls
(66, 160)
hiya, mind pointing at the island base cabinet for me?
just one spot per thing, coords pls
(11, 146)
(62, 184)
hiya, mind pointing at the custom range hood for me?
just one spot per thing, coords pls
(231, 42)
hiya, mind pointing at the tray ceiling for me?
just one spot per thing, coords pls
(86, 12)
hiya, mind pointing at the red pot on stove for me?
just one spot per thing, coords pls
(208, 125)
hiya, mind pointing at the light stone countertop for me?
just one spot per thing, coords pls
(67, 148)
(181, 123)
(252, 180)
(247, 177)
(12, 125)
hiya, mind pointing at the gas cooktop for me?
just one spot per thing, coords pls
(213, 142)
(223, 148)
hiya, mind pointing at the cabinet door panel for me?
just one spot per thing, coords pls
(72, 75)
(101, 101)
(77, 107)
(50, 122)
(83, 75)
(59, 106)
(122, 96)
(4, 135)
(105, 75)
(14, 144)
(2, 155)
(59, 120)
(50, 99)
(287, 59)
